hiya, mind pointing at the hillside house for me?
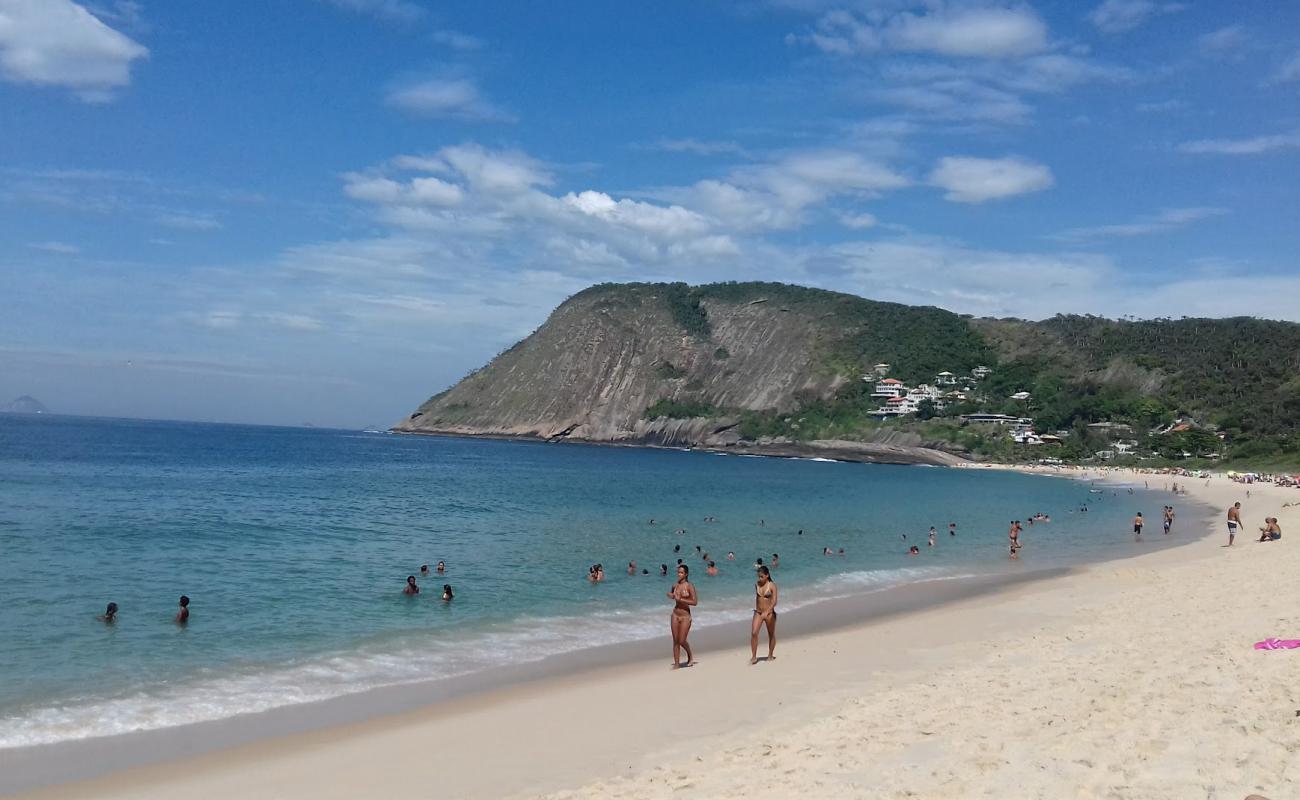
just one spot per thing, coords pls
(945, 379)
(881, 370)
(889, 387)
(981, 372)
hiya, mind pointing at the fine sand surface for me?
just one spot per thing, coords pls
(1130, 679)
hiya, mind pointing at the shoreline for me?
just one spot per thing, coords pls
(842, 450)
(295, 728)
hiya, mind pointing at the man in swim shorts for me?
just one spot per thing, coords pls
(1234, 522)
(1137, 526)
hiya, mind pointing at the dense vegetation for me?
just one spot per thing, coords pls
(1237, 380)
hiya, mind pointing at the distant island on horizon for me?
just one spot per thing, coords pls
(779, 369)
(25, 404)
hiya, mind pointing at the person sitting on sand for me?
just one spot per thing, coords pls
(1271, 531)
(764, 614)
(410, 587)
(447, 594)
(183, 614)
(712, 570)
(110, 614)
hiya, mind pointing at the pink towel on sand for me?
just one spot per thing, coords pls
(1277, 644)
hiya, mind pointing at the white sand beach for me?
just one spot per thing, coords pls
(1129, 679)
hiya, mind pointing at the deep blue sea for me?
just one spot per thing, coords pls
(294, 545)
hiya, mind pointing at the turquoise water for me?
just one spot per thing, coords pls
(294, 544)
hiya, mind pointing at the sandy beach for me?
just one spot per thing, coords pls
(1127, 679)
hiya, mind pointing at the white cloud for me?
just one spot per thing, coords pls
(1167, 220)
(961, 32)
(402, 11)
(457, 40)
(422, 191)
(58, 248)
(975, 180)
(1243, 147)
(447, 97)
(186, 221)
(672, 221)
(1120, 16)
(1289, 71)
(858, 221)
(696, 147)
(1224, 41)
(60, 43)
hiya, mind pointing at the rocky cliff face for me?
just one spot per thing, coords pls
(610, 353)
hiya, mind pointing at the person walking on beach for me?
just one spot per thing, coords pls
(1234, 522)
(1137, 527)
(183, 613)
(679, 622)
(1169, 519)
(764, 614)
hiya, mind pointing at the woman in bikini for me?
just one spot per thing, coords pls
(764, 614)
(679, 622)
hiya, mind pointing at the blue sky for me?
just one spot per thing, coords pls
(326, 210)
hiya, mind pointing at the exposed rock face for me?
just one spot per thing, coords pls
(609, 353)
(25, 405)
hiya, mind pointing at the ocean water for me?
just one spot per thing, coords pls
(294, 544)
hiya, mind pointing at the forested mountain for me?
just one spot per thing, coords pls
(734, 363)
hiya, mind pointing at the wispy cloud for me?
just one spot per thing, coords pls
(976, 180)
(60, 43)
(188, 221)
(401, 11)
(1223, 42)
(59, 248)
(960, 32)
(1289, 71)
(447, 97)
(457, 40)
(696, 147)
(1255, 145)
(1121, 16)
(1167, 220)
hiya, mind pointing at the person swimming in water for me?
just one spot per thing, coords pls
(424, 569)
(952, 529)
(776, 560)
(931, 539)
(765, 597)
(447, 594)
(110, 614)
(410, 587)
(183, 613)
(712, 570)
(914, 551)
(731, 556)
(631, 568)
(679, 622)
(442, 567)
(663, 569)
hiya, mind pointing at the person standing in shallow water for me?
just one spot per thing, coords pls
(764, 614)
(410, 587)
(183, 614)
(679, 622)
